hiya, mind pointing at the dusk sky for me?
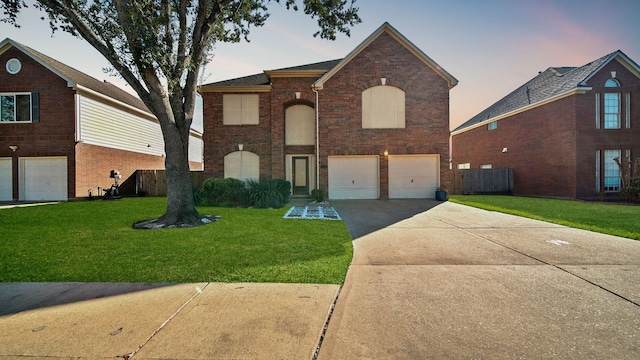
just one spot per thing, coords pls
(491, 46)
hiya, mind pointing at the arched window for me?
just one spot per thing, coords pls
(242, 165)
(611, 106)
(300, 125)
(610, 83)
(383, 108)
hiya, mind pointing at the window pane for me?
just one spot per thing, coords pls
(7, 108)
(23, 107)
(611, 111)
(611, 170)
(611, 83)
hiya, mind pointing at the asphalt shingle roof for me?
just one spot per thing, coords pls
(263, 79)
(549, 83)
(80, 78)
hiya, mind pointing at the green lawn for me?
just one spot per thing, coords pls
(93, 241)
(614, 219)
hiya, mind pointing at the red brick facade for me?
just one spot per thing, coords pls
(340, 114)
(88, 166)
(552, 148)
(54, 134)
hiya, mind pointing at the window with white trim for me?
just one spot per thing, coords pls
(611, 170)
(383, 107)
(464, 166)
(240, 109)
(486, 166)
(18, 107)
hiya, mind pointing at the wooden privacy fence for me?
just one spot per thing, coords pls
(153, 182)
(483, 181)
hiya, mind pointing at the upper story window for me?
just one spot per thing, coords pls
(614, 107)
(240, 109)
(611, 110)
(16, 107)
(493, 125)
(383, 107)
(300, 125)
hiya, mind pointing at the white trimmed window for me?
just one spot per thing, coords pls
(300, 125)
(383, 107)
(240, 109)
(611, 106)
(611, 170)
(464, 166)
(18, 107)
(486, 166)
(242, 165)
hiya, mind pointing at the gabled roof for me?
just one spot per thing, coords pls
(550, 85)
(387, 28)
(75, 78)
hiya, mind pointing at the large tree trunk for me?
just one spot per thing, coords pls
(181, 209)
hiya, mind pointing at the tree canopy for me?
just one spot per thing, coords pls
(160, 46)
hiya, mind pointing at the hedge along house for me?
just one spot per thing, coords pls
(561, 131)
(62, 131)
(372, 125)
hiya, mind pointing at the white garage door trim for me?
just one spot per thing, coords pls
(6, 179)
(42, 178)
(413, 176)
(354, 177)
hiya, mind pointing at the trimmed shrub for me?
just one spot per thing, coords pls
(267, 193)
(223, 192)
(284, 188)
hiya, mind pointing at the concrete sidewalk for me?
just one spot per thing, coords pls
(447, 281)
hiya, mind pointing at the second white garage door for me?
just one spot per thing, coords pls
(353, 177)
(43, 178)
(6, 179)
(413, 176)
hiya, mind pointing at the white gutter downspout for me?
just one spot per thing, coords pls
(315, 90)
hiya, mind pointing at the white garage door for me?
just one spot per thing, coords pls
(43, 178)
(413, 176)
(353, 177)
(6, 179)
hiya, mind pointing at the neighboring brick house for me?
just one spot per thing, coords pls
(561, 131)
(62, 131)
(372, 125)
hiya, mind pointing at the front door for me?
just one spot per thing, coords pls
(301, 176)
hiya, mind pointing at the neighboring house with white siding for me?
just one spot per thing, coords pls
(62, 131)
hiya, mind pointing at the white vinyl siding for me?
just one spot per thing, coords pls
(240, 109)
(104, 125)
(353, 177)
(6, 179)
(195, 149)
(42, 178)
(383, 107)
(413, 176)
(242, 165)
(300, 125)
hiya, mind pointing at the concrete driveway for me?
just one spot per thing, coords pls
(456, 282)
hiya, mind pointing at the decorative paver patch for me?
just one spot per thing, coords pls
(312, 212)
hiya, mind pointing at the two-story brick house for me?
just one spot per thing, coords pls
(62, 131)
(561, 131)
(374, 124)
